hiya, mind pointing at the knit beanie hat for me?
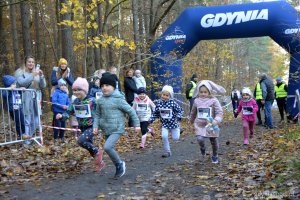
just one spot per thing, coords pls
(108, 79)
(81, 83)
(62, 61)
(8, 80)
(169, 89)
(141, 90)
(246, 90)
(61, 82)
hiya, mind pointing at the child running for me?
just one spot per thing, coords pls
(110, 118)
(60, 103)
(204, 107)
(169, 113)
(249, 108)
(83, 107)
(143, 106)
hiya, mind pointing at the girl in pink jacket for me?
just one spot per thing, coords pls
(204, 108)
(248, 107)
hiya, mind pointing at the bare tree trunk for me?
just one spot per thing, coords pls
(90, 66)
(136, 33)
(38, 45)
(14, 34)
(57, 31)
(26, 28)
(3, 48)
(67, 40)
(100, 31)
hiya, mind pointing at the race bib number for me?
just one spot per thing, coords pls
(82, 111)
(203, 113)
(246, 111)
(166, 113)
(141, 107)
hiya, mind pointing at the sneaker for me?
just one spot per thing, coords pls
(120, 169)
(25, 136)
(215, 159)
(98, 157)
(151, 131)
(202, 151)
(100, 165)
(166, 155)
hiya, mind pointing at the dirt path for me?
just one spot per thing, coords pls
(148, 175)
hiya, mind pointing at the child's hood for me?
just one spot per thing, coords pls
(211, 86)
(8, 80)
(116, 94)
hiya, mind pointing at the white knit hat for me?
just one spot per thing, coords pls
(246, 90)
(169, 89)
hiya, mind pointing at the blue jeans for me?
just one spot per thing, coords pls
(268, 113)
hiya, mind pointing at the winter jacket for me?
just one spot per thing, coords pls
(244, 104)
(83, 122)
(143, 108)
(216, 112)
(169, 113)
(267, 87)
(110, 114)
(93, 90)
(55, 76)
(59, 99)
(26, 79)
(139, 81)
(130, 89)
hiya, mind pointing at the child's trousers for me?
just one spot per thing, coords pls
(86, 140)
(165, 137)
(248, 126)
(214, 144)
(58, 133)
(109, 147)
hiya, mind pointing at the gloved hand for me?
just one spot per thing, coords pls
(179, 119)
(250, 109)
(235, 114)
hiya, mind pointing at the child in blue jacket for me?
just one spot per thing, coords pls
(60, 103)
(15, 109)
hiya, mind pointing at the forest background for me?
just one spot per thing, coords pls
(94, 34)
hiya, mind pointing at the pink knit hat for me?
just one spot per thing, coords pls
(81, 83)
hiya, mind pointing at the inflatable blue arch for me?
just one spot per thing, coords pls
(277, 19)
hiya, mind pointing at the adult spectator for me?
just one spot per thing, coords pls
(267, 87)
(281, 95)
(130, 89)
(114, 70)
(31, 78)
(62, 71)
(257, 94)
(235, 98)
(190, 87)
(139, 79)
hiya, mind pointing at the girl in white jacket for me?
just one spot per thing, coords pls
(143, 106)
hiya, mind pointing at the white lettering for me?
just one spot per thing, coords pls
(291, 31)
(207, 20)
(175, 37)
(219, 19)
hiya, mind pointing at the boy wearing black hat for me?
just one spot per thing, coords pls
(110, 118)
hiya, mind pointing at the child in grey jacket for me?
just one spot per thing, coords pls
(110, 118)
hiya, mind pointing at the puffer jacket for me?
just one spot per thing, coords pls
(252, 103)
(59, 99)
(110, 114)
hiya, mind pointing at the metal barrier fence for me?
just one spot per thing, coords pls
(20, 111)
